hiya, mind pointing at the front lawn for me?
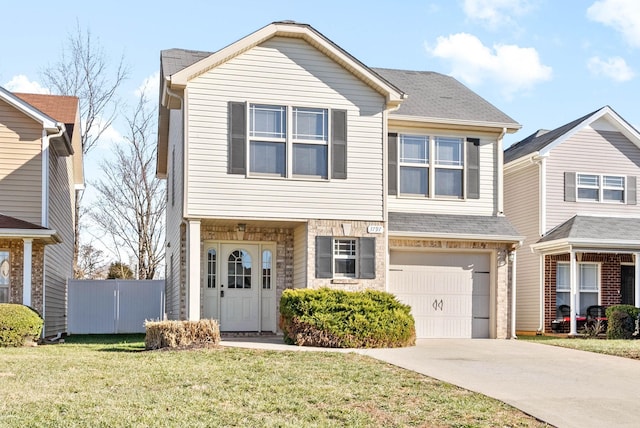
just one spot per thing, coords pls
(112, 382)
(620, 348)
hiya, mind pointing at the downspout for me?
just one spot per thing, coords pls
(541, 161)
(512, 256)
(500, 174)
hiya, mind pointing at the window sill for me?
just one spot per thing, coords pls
(348, 281)
(427, 198)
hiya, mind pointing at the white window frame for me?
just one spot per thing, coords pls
(601, 187)
(6, 287)
(289, 138)
(337, 255)
(580, 285)
(432, 164)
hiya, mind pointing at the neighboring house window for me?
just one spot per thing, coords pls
(287, 141)
(437, 175)
(266, 269)
(345, 257)
(211, 268)
(588, 286)
(239, 269)
(599, 188)
(5, 271)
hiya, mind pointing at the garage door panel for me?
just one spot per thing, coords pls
(448, 296)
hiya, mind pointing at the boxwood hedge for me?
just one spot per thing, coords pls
(18, 324)
(343, 319)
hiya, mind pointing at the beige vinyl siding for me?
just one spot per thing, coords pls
(300, 255)
(595, 152)
(290, 72)
(59, 257)
(486, 205)
(174, 215)
(521, 204)
(20, 165)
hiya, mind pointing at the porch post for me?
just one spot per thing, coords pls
(636, 282)
(193, 270)
(574, 286)
(27, 261)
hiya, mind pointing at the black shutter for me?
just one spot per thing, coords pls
(393, 164)
(473, 168)
(367, 258)
(339, 144)
(631, 191)
(324, 257)
(237, 138)
(570, 186)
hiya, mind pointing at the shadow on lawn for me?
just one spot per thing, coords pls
(112, 342)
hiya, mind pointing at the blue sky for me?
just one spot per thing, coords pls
(543, 62)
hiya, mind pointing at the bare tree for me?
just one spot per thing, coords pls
(131, 201)
(85, 71)
(91, 264)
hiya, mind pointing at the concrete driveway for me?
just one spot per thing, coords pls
(560, 386)
(563, 387)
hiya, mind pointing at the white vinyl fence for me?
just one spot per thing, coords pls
(113, 306)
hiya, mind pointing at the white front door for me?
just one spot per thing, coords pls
(239, 287)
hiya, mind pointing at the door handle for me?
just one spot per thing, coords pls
(221, 293)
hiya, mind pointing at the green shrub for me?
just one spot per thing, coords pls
(18, 324)
(621, 320)
(342, 319)
(181, 334)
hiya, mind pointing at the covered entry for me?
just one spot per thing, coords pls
(449, 293)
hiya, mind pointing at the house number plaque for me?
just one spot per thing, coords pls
(375, 229)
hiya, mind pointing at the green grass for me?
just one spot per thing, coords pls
(110, 381)
(620, 348)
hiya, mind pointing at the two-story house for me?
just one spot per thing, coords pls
(291, 164)
(572, 191)
(40, 168)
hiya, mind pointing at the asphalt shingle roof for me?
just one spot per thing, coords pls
(61, 108)
(541, 139)
(449, 224)
(436, 95)
(7, 222)
(174, 60)
(596, 228)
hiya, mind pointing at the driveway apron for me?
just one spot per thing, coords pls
(563, 387)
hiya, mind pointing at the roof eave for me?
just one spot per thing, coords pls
(49, 236)
(499, 126)
(565, 245)
(458, 236)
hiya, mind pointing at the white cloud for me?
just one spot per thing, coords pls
(511, 67)
(21, 83)
(149, 87)
(621, 15)
(615, 68)
(495, 13)
(111, 136)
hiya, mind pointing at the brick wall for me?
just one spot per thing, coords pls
(609, 279)
(16, 274)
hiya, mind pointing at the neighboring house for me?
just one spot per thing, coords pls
(290, 164)
(572, 192)
(40, 167)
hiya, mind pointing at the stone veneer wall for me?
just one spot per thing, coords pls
(282, 237)
(16, 250)
(500, 272)
(355, 229)
(609, 280)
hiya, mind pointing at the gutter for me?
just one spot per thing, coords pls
(46, 144)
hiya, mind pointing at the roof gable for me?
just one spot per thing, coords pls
(27, 108)
(541, 143)
(178, 66)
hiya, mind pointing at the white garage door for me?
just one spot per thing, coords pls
(448, 293)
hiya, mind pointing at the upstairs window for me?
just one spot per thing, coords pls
(600, 188)
(440, 175)
(287, 141)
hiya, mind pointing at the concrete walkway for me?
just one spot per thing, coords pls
(563, 387)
